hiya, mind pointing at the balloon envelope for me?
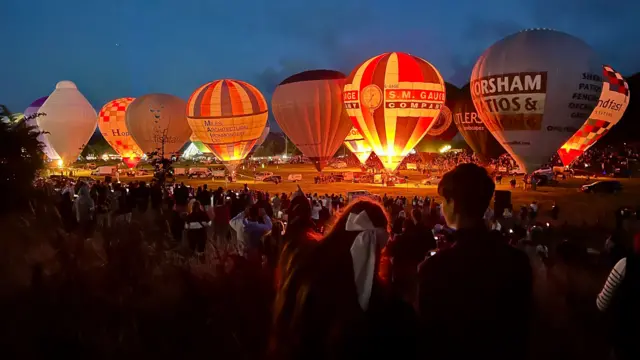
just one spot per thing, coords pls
(155, 119)
(308, 107)
(393, 99)
(70, 121)
(472, 128)
(356, 143)
(263, 137)
(533, 90)
(611, 106)
(228, 116)
(443, 129)
(113, 126)
(31, 115)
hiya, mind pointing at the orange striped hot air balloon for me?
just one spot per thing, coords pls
(228, 116)
(113, 126)
(393, 99)
(356, 143)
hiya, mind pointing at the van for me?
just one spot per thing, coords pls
(294, 177)
(218, 174)
(104, 171)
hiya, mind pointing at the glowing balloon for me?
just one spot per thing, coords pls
(611, 106)
(356, 143)
(228, 116)
(533, 90)
(157, 120)
(113, 126)
(392, 100)
(70, 121)
(440, 134)
(308, 107)
(475, 133)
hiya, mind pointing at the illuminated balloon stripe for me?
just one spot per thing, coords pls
(231, 151)
(224, 99)
(409, 91)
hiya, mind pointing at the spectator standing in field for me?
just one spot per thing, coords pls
(475, 297)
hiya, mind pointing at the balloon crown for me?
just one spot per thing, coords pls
(66, 84)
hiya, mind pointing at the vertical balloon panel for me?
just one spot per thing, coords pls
(612, 104)
(392, 100)
(533, 90)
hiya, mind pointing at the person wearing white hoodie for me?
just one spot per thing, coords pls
(237, 224)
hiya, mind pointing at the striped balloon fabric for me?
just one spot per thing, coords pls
(393, 99)
(356, 143)
(612, 104)
(228, 116)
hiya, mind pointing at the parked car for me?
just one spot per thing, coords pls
(602, 187)
(294, 177)
(260, 176)
(273, 178)
(433, 180)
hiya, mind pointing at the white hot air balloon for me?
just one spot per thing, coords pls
(533, 90)
(70, 121)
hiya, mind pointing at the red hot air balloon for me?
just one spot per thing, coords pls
(308, 107)
(393, 99)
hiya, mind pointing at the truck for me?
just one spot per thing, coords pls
(105, 171)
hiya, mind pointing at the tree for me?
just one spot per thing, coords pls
(21, 158)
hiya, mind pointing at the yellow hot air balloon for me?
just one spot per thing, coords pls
(356, 143)
(113, 126)
(228, 116)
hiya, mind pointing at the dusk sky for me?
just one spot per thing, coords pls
(118, 48)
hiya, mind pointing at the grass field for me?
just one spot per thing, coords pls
(575, 207)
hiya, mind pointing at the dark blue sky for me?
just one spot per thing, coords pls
(119, 48)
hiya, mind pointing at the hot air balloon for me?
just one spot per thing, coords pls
(156, 121)
(611, 106)
(533, 90)
(113, 126)
(70, 121)
(202, 148)
(443, 129)
(393, 99)
(308, 108)
(356, 143)
(262, 137)
(228, 116)
(475, 133)
(31, 115)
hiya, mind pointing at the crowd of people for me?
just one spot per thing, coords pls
(376, 276)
